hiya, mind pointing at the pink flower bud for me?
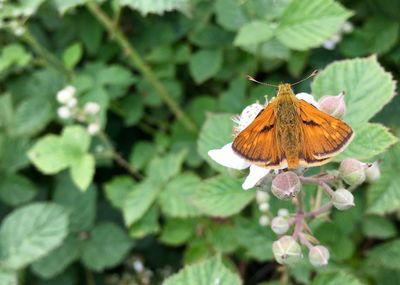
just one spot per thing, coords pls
(279, 225)
(318, 255)
(372, 173)
(286, 185)
(286, 250)
(333, 105)
(352, 171)
(342, 199)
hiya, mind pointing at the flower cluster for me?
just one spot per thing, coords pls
(287, 185)
(70, 109)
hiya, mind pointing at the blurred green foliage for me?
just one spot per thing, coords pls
(85, 207)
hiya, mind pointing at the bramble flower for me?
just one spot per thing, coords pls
(66, 94)
(228, 158)
(333, 105)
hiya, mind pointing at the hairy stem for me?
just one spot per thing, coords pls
(322, 210)
(140, 64)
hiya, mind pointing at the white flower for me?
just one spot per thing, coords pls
(64, 95)
(91, 108)
(64, 112)
(93, 128)
(138, 266)
(72, 102)
(228, 158)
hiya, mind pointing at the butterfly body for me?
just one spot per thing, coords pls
(290, 132)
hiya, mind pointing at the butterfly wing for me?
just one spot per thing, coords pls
(258, 142)
(323, 136)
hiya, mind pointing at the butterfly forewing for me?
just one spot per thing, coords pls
(258, 142)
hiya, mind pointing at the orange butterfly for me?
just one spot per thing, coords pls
(290, 133)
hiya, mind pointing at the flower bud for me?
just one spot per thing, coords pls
(93, 128)
(263, 220)
(72, 102)
(279, 225)
(262, 196)
(283, 212)
(64, 95)
(318, 256)
(264, 207)
(64, 112)
(352, 171)
(286, 185)
(333, 105)
(342, 199)
(91, 108)
(286, 250)
(372, 173)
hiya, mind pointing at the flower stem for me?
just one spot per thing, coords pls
(298, 219)
(322, 210)
(305, 241)
(140, 64)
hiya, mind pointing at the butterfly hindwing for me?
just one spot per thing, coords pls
(258, 143)
(323, 136)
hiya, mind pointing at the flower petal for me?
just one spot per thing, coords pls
(226, 157)
(255, 175)
(308, 98)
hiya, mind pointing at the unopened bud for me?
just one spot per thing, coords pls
(283, 212)
(91, 108)
(264, 207)
(263, 220)
(333, 105)
(64, 95)
(72, 102)
(373, 173)
(342, 199)
(352, 171)
(93, 128)
(279, 225)
(318, 256)
(286, 185)
(286, 250)
(64, 112)
(262, 196)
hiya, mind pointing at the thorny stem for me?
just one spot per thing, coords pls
(140, 64)
(117, 157)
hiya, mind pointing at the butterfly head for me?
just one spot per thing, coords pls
(285, 89)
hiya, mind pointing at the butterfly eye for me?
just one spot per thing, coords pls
(276, 92)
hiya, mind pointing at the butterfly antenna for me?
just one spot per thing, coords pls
(259, 82)
(315, 72)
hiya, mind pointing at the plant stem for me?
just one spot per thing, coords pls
(322, 210)
(298, 220)
(305, 241)
(140, 64)
(117, 157)
(49, 58)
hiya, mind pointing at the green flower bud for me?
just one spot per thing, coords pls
(286, 250)
(263, 220)
(333, 105)
(286, 185)
(318, 256)
(262, 196)
(352, 171)
(372, 173)
(343, 199)
(279, 225)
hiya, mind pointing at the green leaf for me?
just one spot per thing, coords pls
(65, 5)
(369, 141)
(176, 199)
(157, 7)
(367, 85)
(139, 200)
(13, 55)
(336, 278)
(205, 64)
(16, 189)
(166, 167)
(8, 277)
(117, 189)
(383, 196)
(72, 55)
(107, 246)
(211, 271)
(215, 133)
(13, 153)
(82, 171)
(229, 14)
(177, 231)
(308, 23)
(76, 141)
(223, 237)
(386, 254)
(254, 32)
(147, 225)
(58, 259)
(378, 227)
(48, 155)
(142, 152)
(81, 205)
(31, 232)
(222, 196)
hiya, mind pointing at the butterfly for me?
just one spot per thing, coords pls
(289, 133)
